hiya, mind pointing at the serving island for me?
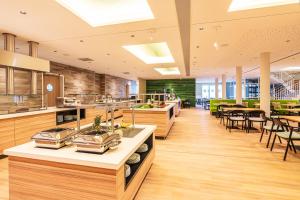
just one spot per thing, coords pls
(64, 174)
(162, 117)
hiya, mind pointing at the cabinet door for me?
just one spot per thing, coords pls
(26, 127)
(7, 138)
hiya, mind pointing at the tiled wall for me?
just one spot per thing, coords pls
(81, 81)
(22, 81)
(77, 81)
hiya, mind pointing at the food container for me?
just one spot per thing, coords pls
(53, 138)
(97, 143)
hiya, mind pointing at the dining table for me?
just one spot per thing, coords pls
(243, 109)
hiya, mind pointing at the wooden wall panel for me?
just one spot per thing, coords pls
(56, 182)
(2, 80)
(115, 86)
(7, 134)
(77, 80)
(25, 127)
(22, 81)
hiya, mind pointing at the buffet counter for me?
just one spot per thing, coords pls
(177, 107)
(162, 117)
(18, 128)
(67, 174)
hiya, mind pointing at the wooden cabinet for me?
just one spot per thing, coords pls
(7, 134)
(27, 126)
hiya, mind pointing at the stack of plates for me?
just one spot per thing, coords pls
(133, 159)
(127, 170)
(68, 117)
(142, 149)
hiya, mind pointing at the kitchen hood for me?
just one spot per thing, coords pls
(12, 59)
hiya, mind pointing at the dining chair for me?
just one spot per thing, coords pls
(223, 114)
(256, 116)
(235, 116)
(290, 136)
(272, 129)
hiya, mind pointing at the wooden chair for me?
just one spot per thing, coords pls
(236, 116)
(290, 136)
(256, 116)
(272, 129)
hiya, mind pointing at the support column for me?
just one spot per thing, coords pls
(264, 84)
(216, 88)
(223, 86)
(238, 82)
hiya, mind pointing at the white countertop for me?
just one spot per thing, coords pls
(168, 107)
(173, 101)
(112, 159)
(23, 114)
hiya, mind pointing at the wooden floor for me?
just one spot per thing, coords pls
(200, 160)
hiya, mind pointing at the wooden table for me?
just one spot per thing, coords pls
(290, 105)
(291, 118)
(296, 110)
(243, 109)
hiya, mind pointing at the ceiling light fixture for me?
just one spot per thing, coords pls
(152, 53)
(23, 12)
(237, 5)
(108, 12)
(291, 69)
(168, 71)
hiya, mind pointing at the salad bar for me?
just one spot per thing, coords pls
(163, 115)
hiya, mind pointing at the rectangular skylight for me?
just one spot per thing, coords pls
(168, 71)
(237, 5)
(108, 12)
(152, 53)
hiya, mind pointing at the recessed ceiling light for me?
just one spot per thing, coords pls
(291, 69)
(132, 35)
(168, 71)
(237, 5)
(152, 53)
(108, 12)
(23, 12)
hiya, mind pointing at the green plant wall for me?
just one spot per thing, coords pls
(184, 88)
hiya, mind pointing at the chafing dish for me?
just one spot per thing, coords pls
(63, 102)
(97, 143)
(53, 138)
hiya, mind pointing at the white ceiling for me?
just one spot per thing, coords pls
(244, 34)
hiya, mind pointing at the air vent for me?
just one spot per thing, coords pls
(86, 59)
(224, 45)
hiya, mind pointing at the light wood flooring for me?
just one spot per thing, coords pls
(200, 160)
